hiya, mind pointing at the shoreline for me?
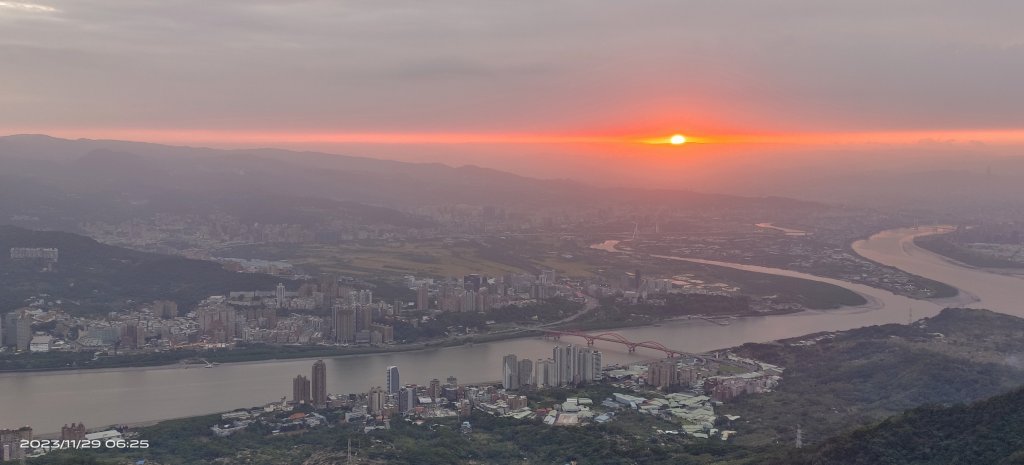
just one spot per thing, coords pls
(870, 304)
(1005, 271)
(524, 334)
(178, 365)
(852, 247)
(674, 325)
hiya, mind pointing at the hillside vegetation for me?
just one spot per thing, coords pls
(989, 432)
(859, 377)
(93, 277)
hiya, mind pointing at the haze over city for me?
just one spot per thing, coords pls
(458, 232)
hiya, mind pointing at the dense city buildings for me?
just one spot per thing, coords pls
(569, 366)
(218, 321)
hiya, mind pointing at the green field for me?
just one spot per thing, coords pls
(431, 258)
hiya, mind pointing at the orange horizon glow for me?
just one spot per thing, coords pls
(221, 137)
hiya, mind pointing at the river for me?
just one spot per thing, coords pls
(979, 288)
(46, 401)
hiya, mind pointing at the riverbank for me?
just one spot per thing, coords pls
(943, 291)
(239, 356)
(962, 256)
(175, 360)
(269, 354)
(49, 400)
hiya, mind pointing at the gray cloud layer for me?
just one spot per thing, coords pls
(460, 65)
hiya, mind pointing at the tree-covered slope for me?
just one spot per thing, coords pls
(989, 432)
(90, 276)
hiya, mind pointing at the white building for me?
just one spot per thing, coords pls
(40, 344)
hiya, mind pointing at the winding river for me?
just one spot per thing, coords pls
(46, 401)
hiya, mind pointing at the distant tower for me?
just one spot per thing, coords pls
(799, 437)
(422, 297)
(280, 295)
(392, 380)
(435, 389)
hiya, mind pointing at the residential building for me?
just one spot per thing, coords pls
(392, 383)
(319, 384)
(510, 372)
(300, 390)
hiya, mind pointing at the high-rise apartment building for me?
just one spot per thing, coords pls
(392, 383)
(573, 365)
(18, 329)
(525, 373)
(319, 384)
(375, 401)
(364, 317)
(510, 372)
(300, 390)
(422, 297)
(406, 399)
(344, 324)
(544, 373)
(434, 391)
(218, 322)
(279, 295)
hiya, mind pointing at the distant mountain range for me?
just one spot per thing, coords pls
(71, 180)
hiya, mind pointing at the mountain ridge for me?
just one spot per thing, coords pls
(446, 184)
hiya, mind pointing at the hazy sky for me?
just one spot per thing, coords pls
(507, 83)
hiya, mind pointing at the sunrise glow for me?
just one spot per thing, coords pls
(594, 140)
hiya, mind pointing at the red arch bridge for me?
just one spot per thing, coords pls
(619, 339)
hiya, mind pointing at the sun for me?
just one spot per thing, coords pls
(677, 139)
